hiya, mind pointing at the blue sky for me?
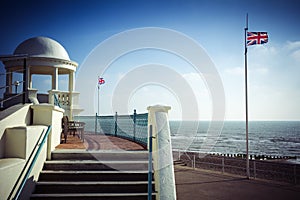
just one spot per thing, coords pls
(216, 25)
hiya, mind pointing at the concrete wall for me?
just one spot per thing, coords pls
(18, 115)
(20, 142)
(46, 114)
(20, 128)
(10, 168)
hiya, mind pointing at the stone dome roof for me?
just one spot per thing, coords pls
(42, 47)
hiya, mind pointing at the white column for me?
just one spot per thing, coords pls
(71, 81)
(26, 83)
(71, 89)
(162, 152)
(28, 78)
(55, 79)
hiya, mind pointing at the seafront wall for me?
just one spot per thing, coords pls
(18, 115)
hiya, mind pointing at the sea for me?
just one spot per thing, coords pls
(274, 138)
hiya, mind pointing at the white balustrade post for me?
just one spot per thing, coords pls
(162, 152)
(51, 97)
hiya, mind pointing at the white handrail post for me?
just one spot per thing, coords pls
(162, 152)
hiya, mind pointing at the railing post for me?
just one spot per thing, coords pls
(116, 124)
(164, 176)
(134, 124)
(150, 165)
(194, 161)
(295, 174)
(96, 123)
(254, 169)
(223, 165)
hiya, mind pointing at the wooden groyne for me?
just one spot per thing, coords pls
(256, 157)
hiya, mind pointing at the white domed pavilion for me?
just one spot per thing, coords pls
(42, 56)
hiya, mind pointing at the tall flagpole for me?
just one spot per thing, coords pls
(98, 95)
(246, 101)
(97, 113)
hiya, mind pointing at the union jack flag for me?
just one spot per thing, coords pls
(257, 38)
(101, 81)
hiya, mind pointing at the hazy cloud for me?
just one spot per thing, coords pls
(235, 71)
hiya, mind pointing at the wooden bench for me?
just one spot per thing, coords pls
(73, 127)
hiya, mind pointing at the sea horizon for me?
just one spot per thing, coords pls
(274, 138)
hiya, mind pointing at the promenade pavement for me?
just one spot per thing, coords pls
(99, 142)
(210, 185)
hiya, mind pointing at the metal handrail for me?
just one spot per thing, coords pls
(9, 98)
(56, 101)
(33, 156)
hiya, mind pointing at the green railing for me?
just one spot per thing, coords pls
(132, 127)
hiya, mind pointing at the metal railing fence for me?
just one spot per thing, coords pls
(263, 169)
(132, 127)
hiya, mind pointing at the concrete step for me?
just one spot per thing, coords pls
(92, 187)
(93, 196)
(50, 175)
(80, 174)
(93, 165)
(101, 155)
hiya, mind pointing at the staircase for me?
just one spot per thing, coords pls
(80, 174)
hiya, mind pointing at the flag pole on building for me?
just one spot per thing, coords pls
(246, 100)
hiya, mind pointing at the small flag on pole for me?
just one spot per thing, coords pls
(101, 81)
(257, 38)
